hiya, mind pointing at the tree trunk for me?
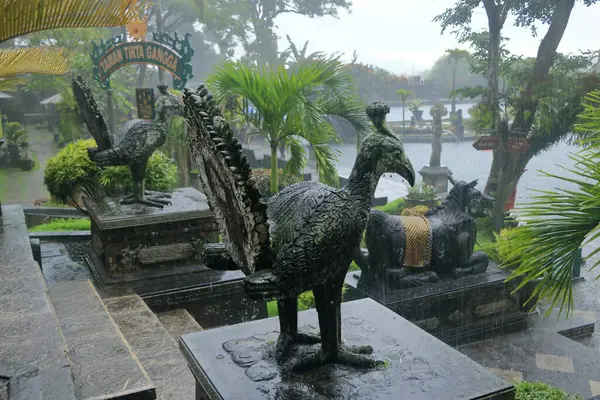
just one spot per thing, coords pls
(403, 118)
(274, 169)
(453, 106)
(544, 61)
(506, 168)
(493, 72)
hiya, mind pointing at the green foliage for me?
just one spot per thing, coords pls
(62, 225)
(290, 105)
(422, 191)
(404, 94)
(306, 301)
(481, 117)
(438, 106)
(559, 221)
(71, 171)
(14, 133)
(541, 391)
(263, 180)
(393, 207)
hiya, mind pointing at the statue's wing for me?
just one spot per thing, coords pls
(229, 188)
(88, 109)
(291, 210)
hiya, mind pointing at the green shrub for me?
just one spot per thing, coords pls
(393, 207)
(63, 224)
(441, 107)
(71, 171)
(14, 133)
(417, 211)
(540, 391)
(422, 191)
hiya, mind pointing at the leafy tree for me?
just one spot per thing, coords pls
(289, 106)
(560, 221)
(507, 168)
(404, 94)
(454, 56)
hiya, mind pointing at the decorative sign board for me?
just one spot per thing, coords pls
(517, 145)
(486, 143)
(145, 103)
(165, 51)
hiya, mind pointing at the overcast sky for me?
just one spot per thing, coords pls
(397, 34)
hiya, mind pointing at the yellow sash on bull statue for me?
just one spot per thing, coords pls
(417, 250)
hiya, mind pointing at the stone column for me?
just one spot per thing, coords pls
(436, 174)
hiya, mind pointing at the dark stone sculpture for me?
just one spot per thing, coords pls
(303, 239)
(134, 142)
(459, 129)
(411, 251)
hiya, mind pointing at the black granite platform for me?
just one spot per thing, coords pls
(418, 366)
(457, 311)
(151, 249)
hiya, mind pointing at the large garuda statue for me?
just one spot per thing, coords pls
(133, 143)
(408, 251)
(303, 239)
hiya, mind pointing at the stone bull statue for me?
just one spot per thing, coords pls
(411, 251)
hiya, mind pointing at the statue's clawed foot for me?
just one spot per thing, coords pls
(151, 202)
(355, 356)
(152, 193)
(286, 341)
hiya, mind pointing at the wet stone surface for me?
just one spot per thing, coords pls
(418, 366)
(58, 264)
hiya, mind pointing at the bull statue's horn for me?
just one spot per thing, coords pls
(473, 184)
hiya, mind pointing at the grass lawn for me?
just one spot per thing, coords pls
(540, 391)
(62, 225)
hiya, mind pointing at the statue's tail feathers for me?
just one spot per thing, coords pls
(263, 284)
(90, 114)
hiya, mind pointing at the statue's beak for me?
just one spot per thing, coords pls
(406, 170)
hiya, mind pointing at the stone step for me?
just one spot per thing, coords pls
(30, 338)
(103, 365)
(154, 346)
(178, 322)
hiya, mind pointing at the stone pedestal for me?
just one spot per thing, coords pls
(436, 177)
(236, 362)
(457, 311)
(151, 249)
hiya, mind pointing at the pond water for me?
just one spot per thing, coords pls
(468, 164)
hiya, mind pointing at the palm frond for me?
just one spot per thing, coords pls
(33, 60)
(12, 83)
(20, 17)
(297, 160)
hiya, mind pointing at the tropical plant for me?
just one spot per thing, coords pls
(70, 173)
(290, 106)
(558, 222)
(15, 133)
(454, 56)
(438, 106)
(422, 191)
(262, 177)
(404, 95)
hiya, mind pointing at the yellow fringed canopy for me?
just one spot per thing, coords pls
(11, 83)
(20, 17)
(33, 60)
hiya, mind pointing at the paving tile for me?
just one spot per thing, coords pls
(507, 374)
(74, 298)
(88, 325)
(153, 344)
(139, 322)
(588, 316)
(12, 306)
(125, 305)
(595, 388)
(554, 363)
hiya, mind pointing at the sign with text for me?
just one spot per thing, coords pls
(517, 145)
(168, 52)
(486, 143)
(145, 103)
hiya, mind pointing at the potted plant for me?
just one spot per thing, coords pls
(414, 109)
(421, 195)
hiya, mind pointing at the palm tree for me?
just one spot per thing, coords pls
(288, 105)
(454, 56)
(558, 222)
(404, 94)
(28, 16)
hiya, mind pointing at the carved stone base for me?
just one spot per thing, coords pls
(237, 362)
(457, 311)
(145, 246)
(436, 177)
